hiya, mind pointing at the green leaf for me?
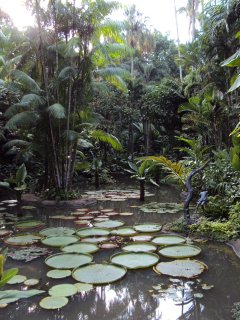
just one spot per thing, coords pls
(57, 111)
(7, 275)
(4, 184)
(8, 296)
(132, 260)
(21, 175)
(233, 61)
(107, 138)
(236, 84)
(133, 166)
(27, 82)
(26, 119)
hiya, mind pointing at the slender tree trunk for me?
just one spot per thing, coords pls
(130, 140)
(178, 41)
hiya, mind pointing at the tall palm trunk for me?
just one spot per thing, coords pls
(178, 40)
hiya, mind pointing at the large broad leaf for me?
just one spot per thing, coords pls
(17, 279)
(137, 260)
(99, 273)
(59, 241)
(21, 174)
(180, 251)
(82, 247)
(63, 290)
(57, 111)
(107, 138)
(168, 239)
(53, 303)
(8, 296)
(233, 61)
(86, 232)
(181, 268)
(58, 274)
(148, 227)
(109, 224)
(139, 247)
(57, 232)
(68, 260)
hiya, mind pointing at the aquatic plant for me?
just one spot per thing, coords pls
(6, 275)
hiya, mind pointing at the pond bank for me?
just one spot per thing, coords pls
(30, 198)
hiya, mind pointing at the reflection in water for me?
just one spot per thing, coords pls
(129, 298)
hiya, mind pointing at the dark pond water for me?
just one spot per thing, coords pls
(130, 298)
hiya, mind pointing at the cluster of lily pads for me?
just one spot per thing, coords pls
(160, 207)
(115, 195)
(139, 244)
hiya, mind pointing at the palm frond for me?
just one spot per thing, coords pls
(27, 82)
(57, 111)
(70, 135)
(32, 99)
(66, 73)
(26, 119)
(107, 138)
(15, 109)
(15, 143)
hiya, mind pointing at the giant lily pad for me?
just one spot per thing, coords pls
(26, 225)
(88, 232)
(83, 287)
(58, 274)
(147, 227)
(99, 273)
(181, 268)
(17, 279)
(180, 251)
(82, 247)
(137, 260)
(52, 303)
(139, 247)
(168, 239)
(95, 239)
(143, 238)
(8, 296)
(67, 260)
(109, 224)
(59, 241)
(57, 232)
(23, 240)
(124, 231)
(63, 290)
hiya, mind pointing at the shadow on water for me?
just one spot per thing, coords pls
(130, 298)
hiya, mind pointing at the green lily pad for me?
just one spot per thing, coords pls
(83, 287)
(25, 225)
(17, 279)
(81, 247)
(8, 296)
(137, 260)
(58, 274)
(62, 290)
(143, 238)
(180, 251)
(31, 282)
(60, 241)
(109, 224)
(57, 232)
(68, 260)
(28, 208)
(52, 303)
(139, 247)
(168, 239)
(181, 268)
(22, 240)
(124, 231)
(95, 239)
(87, 232)
(99, 273)
(147, 227)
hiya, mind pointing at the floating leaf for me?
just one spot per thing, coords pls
(22, 240)
(83, 287)
(135, 260)
(86, 232)
(68, 260)
(82, 247)
(29, 253)
(181, 268)
(96, 239)
(57, 232)
(17, 279)
(148, 227)
(62, 290)
(8, 296)
(58, 274)
(124, 231)
(143, 238)
(139, 247)
(126, 214)
(168, 239)
(180, 251)
(29, 225)
(109, 224)
(99, 273)
(109, 245)
(52, 303)
(59, 241)
(31, 282)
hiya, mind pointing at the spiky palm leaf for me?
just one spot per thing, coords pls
(15, 143)
(27, 82)
(57, 111)
(107, 138)
(26, 119)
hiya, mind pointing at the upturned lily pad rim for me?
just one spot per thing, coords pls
(202, 264)
(45, 303)
(96, 248)
(105, 233)
(67, 253)
(104, 264)
(135, 253)
(168, 236)
(136, 243)
(163, 251)
(138, 229)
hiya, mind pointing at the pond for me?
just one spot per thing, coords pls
(142, 293)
